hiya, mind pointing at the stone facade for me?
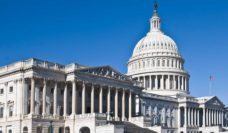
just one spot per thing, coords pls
(41, 97)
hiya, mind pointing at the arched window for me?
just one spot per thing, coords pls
(167, 63)
(25, 130)
(153, 63)
(172, 63)
(144, 64)
(10, 111)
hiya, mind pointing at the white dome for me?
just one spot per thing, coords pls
(157, 64)
(155, 41)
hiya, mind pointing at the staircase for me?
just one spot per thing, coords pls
(132, 128)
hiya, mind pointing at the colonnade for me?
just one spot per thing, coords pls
(164, 82)
(213, 117)
(192, 117)
(198, 117)
(116, 99)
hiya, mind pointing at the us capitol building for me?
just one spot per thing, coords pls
(154, 96)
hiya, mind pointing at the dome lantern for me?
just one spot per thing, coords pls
(155, 22)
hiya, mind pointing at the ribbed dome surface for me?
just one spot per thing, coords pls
(155, 41)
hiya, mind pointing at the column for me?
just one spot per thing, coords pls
(92, 99)
(204, 117)
(101, 100)
(156, 82)
(185, 117)
(123, 106)
(32, 96)
(178, 82)
(174, 82)
(116, 105)
(162, 82)
(83, 98)
(192, 117)
(55, 99)
(73, 97)
(198, 117)
(44, 97)
(209, 120)
(130, 102)
(65, 101)
(150, 82)
(207, 117)
(144, 82)
(189, 117)
(108, 100)
(195, 119)
(185, 84)
(212, 117)
(182, 83)
(222, 119)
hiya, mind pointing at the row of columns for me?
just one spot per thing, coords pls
(161, 82)
(192, 117)
(83, 107)
(213, 117)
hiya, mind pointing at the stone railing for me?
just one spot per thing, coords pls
(187, 99)
(92, 115)
(149, 95)
(30, 63)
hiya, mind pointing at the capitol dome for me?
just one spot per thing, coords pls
(155, 42)
(157, 63)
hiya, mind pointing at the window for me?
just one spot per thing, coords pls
(1, 112)
(11, 89)
(25, 130)
(10, 111)
(10, 131)
(1, 91)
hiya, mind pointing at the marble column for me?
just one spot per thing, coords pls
(101, 100)
(65, 100)
(189, 117)
(83, 98)
(130, 102)
(44, 97)
(123, 106)
(182, 83)
(207, 117)
(198, 117)
(178, 82)
(116, 105)
(195, 117)
(186, 117)
(32, 106)
(156, 82)
(144, 82)
(92, 99)
(150, 82)
(55, 99)
(73, 98)
(109, 100)
(204, 117)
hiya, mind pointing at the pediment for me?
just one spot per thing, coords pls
(105, 71)
(214, 102)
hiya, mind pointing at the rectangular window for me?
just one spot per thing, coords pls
(1, 91)
(10, 111)
(11, 89)
(1, 112)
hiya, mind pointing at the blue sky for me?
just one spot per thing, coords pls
(104, 32)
